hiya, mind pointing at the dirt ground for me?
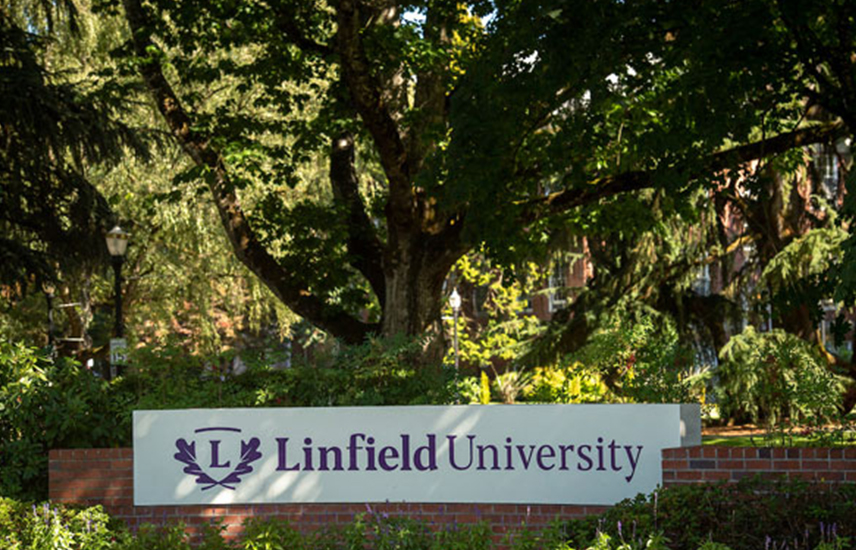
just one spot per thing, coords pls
(732, 431)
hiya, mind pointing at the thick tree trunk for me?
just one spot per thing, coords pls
(415, 271)
(413, 292)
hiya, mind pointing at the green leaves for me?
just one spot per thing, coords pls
(308, 239)
(555, 102)
(47, 404)
(798, 275)
(773, 376)
(500, 320)
(557, 118)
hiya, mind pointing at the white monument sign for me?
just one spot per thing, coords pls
(551, 454)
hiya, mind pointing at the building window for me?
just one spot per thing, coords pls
(826, 165)
(558, 283)
(827, 322)
(701, 285)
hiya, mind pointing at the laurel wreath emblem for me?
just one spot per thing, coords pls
(187, 454)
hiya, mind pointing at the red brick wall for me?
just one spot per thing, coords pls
(700, 464)
(105, 476)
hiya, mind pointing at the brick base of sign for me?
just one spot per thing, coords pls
(105, 476)
(710, 464)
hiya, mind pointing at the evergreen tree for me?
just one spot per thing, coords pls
(52, 218)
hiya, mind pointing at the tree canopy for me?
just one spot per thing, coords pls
(444, 133)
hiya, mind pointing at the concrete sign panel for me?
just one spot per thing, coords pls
(550, 454)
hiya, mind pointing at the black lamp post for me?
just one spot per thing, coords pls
(117, 244)
(49, 290)
(455, 303)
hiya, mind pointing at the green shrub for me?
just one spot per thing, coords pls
(385, 532)
(642, 358)
(271, 534)
(747, 516)
(381, 531)
(388, 372)
(463, 537)
(771, 376)
(392, 372)
(149, 537)
(46, 404)
(750, 515)
(552, 538)
(47, 527)
(573, 384)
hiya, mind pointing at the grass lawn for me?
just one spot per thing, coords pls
(753, 436)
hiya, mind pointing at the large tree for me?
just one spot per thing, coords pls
(443, 134)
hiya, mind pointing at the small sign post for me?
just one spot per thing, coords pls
(118, 355)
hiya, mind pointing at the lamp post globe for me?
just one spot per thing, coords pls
(455, 300)
(117, 242)
(117, 245)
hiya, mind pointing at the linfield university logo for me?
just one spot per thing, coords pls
(217, 471)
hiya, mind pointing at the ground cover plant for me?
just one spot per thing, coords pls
(750, 515)
(45, 526)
